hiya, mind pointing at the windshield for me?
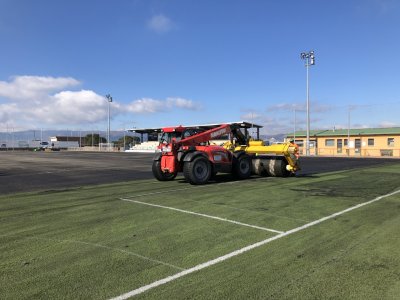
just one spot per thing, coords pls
(167, 137)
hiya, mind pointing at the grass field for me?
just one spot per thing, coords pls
(104, 241)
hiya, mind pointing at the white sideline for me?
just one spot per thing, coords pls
(202, 215)
(245, 249)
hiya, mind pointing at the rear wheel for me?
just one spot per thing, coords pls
(197, 171)
(242, 167)
(160, 175)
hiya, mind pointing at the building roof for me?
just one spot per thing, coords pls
(345, 132)
(242, 124)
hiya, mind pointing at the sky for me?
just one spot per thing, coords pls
(176, 62)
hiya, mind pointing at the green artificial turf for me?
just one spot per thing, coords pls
(86, 243)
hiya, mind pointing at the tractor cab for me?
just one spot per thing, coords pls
(171, 133)
(176, 134)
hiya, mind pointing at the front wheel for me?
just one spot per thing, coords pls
(160, 175)
(277, 167)
(197, 171)
(242, 166)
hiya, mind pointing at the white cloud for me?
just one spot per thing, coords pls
(314, 107)
(160, 23)
(386, 124)
(34, 87)
(149, 105)
(7, 111)
(360, 126)
(77, 106)
(287, 107)
(251, 117)
(183, 103)
(32, 101)
(146, 105)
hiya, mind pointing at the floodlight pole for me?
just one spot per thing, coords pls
(348, 132)
(294, 125)
(109, 98)
(309, 59)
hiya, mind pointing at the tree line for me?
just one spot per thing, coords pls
(96, 139)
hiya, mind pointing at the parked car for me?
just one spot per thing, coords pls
(42, 146)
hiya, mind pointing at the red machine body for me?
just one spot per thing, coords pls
(170, 161)
(188, 150)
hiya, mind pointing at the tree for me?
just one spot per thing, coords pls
(129, 140)
(96, 139)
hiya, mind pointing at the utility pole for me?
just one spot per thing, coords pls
(309, 59)
(124, 140)
(109, 98)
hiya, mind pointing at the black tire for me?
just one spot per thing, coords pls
(159, 175)
(242, 167)
(197, 171)
(277, 167)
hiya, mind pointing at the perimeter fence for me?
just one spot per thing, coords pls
(77, 140)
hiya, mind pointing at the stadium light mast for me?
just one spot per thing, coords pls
(109, 98)
(309, 59)
(294, 124)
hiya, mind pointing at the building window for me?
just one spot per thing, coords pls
(371, 142)
(339, 144)
(299, 143)
(345, 142)
(390, 142)
(329, 142)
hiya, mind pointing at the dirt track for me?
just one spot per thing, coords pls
(33, 171)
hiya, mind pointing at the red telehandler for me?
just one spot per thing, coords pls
(188, 150)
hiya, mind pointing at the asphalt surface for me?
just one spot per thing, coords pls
(22, 171)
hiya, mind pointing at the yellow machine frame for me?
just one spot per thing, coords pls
(288, 150)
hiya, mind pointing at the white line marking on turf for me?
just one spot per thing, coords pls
(202, 186)
(196, 187)
(202, 215)
(255, 211)
(109, 248)
(243, 250)
(167, 191)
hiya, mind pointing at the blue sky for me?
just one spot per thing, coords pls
(192, 62)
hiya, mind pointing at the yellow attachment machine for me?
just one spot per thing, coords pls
(278, 160)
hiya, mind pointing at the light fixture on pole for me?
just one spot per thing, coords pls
(309, 59)
(109, 98)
